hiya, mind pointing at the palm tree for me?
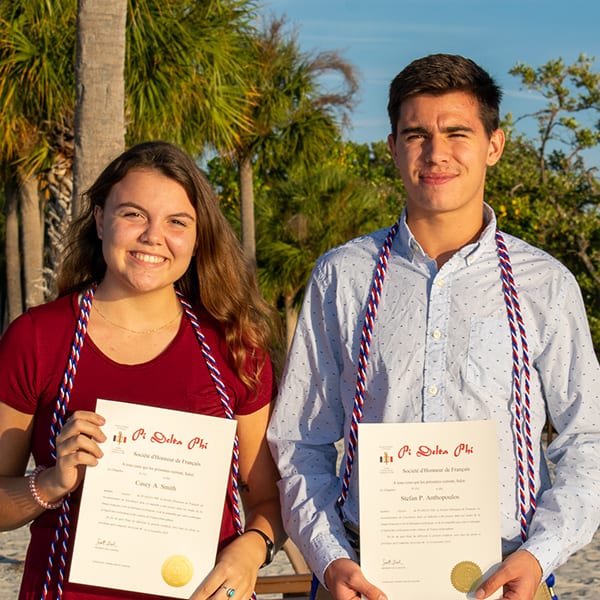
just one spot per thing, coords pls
(100, 104)
(303, 217)
(35, 92)
(183, 84)
(184, 71)
(290, 119)
(12, 254)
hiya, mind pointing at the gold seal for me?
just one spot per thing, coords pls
(465, 575)
(177, 570)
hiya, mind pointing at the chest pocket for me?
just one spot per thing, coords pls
(489, 360)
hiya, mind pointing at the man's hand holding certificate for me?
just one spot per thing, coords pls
(151, 509)
(429, 507)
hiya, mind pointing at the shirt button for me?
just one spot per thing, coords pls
(440, 282)
(433, 390)
(437, 334)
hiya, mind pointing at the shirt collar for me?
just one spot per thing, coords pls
(410, 248)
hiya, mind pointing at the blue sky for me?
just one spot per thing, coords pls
(381, 36)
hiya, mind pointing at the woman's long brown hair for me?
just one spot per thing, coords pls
(220, 280)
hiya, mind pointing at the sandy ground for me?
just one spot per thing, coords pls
(578, 579)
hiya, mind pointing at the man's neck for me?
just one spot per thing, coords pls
(441, 236)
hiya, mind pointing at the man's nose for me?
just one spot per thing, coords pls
(435, 149)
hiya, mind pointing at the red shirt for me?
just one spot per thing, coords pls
(33, 356)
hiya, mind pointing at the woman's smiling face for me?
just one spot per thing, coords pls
(148, 232)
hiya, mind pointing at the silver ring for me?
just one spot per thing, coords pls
(228, 591)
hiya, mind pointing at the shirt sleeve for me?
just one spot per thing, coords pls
(568, 513)
(18, 373)
(263, 394)
(307, 422)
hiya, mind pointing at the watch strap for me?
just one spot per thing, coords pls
(268, 542)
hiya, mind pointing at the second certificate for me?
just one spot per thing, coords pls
(429, 507)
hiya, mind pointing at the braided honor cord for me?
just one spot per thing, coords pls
(363, 357)
(361, 376)
(521, 398)
(62, 533)
(226, 403)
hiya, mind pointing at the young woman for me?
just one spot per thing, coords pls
(151, 270)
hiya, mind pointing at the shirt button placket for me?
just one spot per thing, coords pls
(435, 351)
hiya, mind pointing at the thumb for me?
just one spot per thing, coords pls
(372, 592)
(488, 587)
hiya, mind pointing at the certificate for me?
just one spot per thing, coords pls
(151, 510)
(429, 507)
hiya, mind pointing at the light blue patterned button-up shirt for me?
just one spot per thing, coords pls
(440, 351)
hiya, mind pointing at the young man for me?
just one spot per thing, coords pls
(441, 346)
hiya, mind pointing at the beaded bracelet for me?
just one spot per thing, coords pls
(36, 495)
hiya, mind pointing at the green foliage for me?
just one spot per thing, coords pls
(222, 175)
(299, 219)
(291, 118)
(542, 189)
(572, 93)
(374, 165)
(184, 71)
(304, 211)
(37, 84)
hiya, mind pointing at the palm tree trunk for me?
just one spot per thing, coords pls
(247, 208)
(32, 232)
(14, 292)
(100, 104)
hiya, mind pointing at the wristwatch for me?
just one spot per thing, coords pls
(270, 546)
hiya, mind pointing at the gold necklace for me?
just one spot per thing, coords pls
(145, 331)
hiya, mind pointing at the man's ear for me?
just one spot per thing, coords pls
(496, 147)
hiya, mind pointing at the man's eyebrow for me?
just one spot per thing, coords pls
(419, 130)
(458, 128)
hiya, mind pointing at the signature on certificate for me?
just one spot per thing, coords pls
(392, 563)
(106, 544)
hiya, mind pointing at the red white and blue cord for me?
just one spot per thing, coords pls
(60, 542)
(363, 357)
(521, 396)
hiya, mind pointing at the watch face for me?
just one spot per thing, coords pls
(270, 551)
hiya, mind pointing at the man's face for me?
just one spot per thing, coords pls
(442, 152)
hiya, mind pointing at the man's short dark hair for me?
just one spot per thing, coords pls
(439, 74)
